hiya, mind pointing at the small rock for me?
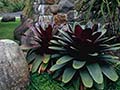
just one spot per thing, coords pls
(65, 6)
(71, 16)
(54, 9)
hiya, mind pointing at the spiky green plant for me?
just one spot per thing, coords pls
(39, 55)
(103, 11)
(83, 55)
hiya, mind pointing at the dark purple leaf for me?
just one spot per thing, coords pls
(86, 34)
(78, 30)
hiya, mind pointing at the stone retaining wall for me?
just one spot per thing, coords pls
(54, 9)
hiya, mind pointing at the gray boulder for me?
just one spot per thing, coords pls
(8, 19)
(13, 67)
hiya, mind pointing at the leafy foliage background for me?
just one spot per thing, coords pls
(11, 5)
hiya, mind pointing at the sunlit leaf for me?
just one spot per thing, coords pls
(86, 78)
(64, 59)
(68, 74)
(46, 58)
(96, 73)
(56, 67)
(56, 48)
(78, 64)
(109, 72)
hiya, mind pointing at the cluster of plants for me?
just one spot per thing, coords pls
(11, 5)
(77, 56)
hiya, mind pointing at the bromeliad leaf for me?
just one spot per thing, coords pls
(94, 54)
(64, 39)
(57, 48)
(56, 67)
(46, 58)
(43, 67)
(105, 56)
(68, 40)
(62, 42)
(64, 59)
(54, 42)
(30, 56)
(56, 73)
(68, 74)
(55, 56)
(111, 49)
(36, 63)
(109, 72)
(78, 64)
(112, 38)
(76, 83)
(99, 86)
(109, 60)
(115, 45)
(103, 31)
(101, 39)
(96, 73)
(86, 78)
(66, 35)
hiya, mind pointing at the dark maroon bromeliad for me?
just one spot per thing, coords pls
(40, 52)
(82, 53)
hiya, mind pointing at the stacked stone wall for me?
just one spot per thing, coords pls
(58, 11)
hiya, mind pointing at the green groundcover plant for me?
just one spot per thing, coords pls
(45, 81)
(76, 56)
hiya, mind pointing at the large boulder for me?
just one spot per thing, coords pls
(8, 19)
(13, 67)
